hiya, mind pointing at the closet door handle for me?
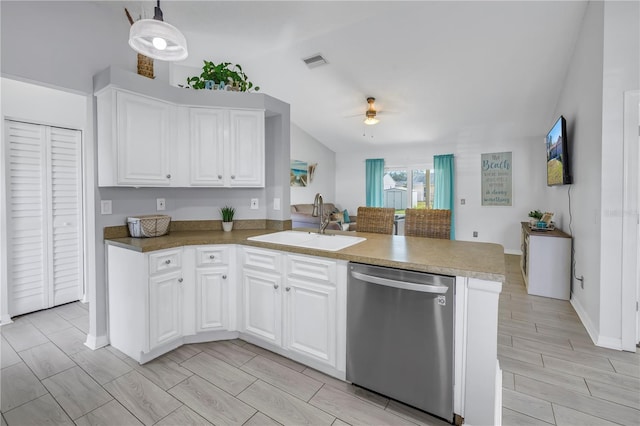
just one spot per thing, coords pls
(168, 261)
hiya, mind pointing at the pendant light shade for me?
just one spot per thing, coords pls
(157, 39)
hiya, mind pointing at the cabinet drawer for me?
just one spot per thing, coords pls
(309, 267)
(212, 256)
(165, 261)
(262, 259)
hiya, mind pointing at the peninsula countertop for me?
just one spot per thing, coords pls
(458, 258)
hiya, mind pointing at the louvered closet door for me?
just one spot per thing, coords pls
(66, 216)
(27, 206)
(44, 216)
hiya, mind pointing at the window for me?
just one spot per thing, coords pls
(408, 187)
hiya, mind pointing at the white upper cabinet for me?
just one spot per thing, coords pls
(146, 142)
(207, 136)
(227, 147)
(143, 140)
(246, 148)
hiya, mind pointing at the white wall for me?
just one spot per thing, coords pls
(621, 71)
(581, 104)
(305, 148)
(605, 65)
(494, 224)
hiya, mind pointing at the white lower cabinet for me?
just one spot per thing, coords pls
(292, 304)
(296, 303)
(165, 308)
(262, 305)
(311, 319)
(214, 292)
(162, 299)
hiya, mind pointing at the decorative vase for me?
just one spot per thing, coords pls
(227, 226)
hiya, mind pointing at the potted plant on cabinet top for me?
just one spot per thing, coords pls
(227, 213)
(223, 76)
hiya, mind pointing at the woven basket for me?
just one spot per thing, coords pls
(148, 225)
(145, 66)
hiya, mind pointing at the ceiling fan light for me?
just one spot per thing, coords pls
(143, 35)
(371, 121)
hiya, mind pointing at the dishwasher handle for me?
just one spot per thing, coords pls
(424, 288)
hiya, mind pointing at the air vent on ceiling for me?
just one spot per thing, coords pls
(315, 61)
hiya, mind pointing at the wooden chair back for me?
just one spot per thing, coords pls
(430, 223)
(375, 219)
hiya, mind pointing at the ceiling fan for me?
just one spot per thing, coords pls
(371, 112)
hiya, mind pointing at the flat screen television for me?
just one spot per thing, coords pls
(558, 154)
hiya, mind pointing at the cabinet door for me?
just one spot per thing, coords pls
(311, 319)
(246, 148)
(211, 298)
(207, 147)
(262, 305)
(165, 312)
(143, 134)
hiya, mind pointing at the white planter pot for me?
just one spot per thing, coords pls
(227, 226)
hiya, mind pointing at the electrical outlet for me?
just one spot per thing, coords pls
(254, 204)
(276, 203)
(475, 234)
(105, 207)
(160, 204)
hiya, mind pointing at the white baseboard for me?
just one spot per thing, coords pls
(96, 342)
(5, 319)
(584, 318)
(609, 342)
(594, 334)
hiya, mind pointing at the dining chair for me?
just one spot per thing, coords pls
(376, 219)
(430, 223)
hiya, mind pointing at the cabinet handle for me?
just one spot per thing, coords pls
(224, 277)
(276, 286)
(168, 261)
(288, 288)
(180, 280)
(219, 176)
(233, 176)
(211, 256)
(168, 176)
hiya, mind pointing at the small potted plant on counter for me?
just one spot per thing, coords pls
(227, 213)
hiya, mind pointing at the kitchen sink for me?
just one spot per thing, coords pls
(312, 240)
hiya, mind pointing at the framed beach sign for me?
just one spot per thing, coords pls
(497, 179)
(299, 173)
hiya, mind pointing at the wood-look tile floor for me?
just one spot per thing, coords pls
(552, 374)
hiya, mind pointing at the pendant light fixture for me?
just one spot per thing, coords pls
(157, 39)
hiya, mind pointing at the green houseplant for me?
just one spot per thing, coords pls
(227, 213)
(225, 73)
(535, 216)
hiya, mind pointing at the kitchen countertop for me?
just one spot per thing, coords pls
(458, 258)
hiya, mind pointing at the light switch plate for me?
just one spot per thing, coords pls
(161, 204)
(105, 207)
(276, 203)
(254, 204)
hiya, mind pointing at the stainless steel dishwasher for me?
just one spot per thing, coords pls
(400, 336)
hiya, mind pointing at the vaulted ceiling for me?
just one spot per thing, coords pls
(438, 69)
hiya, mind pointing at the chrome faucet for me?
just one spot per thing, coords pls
(318, 210)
